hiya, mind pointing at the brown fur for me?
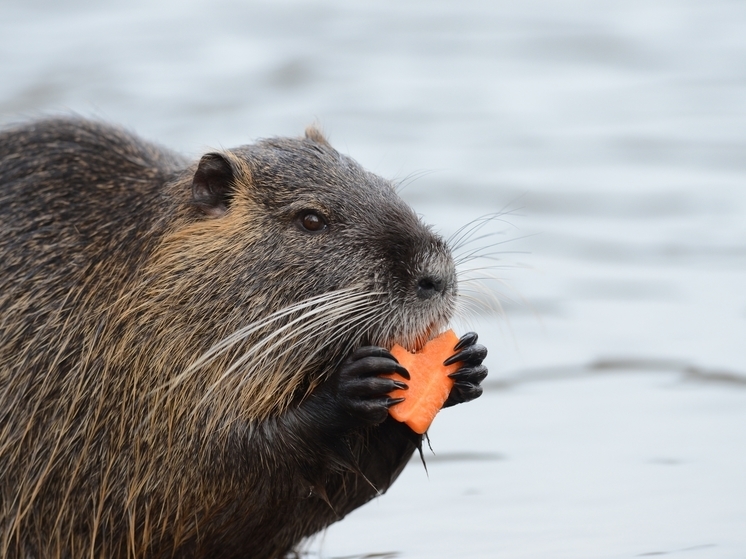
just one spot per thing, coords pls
(121, 433)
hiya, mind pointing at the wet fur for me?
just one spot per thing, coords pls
(126, 428)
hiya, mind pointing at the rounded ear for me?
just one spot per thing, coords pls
(315, 135)
(212, 185)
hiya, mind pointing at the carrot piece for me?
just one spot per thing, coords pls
(429, 385)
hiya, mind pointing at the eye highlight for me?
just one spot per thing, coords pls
(311, 221)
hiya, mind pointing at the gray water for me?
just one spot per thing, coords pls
(611, 135)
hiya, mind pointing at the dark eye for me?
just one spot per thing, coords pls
(311, 221)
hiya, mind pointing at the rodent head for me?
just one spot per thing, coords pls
(284, 221)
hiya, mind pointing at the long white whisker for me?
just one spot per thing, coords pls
(467, 228)
(493, 303)
(316, 327)
(340, 310)
(472, 240)
(462, 235)
(347, 307)
(477, 279)
(478, 251)
(244, 332)
(339, 330)
(250, 328)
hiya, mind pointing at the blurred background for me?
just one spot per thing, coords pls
(610, 139)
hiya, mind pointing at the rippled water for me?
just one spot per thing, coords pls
(612, 135)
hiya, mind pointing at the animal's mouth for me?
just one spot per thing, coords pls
(417, 341)
(411, 324)
(430, 332)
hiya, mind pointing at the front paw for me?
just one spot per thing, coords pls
(470, 375)
(361, 392)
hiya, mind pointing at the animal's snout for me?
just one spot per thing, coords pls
(436, 276)
(430, 285)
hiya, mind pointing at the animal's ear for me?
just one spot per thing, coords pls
(315, 135)
(212, 186)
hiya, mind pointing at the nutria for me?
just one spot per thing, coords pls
(190, 352)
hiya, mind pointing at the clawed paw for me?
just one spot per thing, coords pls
(361, 391)
(469, 376)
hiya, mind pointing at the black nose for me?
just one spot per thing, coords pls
(430, 285)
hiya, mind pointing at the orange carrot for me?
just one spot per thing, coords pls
(429, 385)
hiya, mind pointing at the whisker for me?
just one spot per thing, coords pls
(315, 327)
(241, 334)
(462, 235)
(493, 302)
(477, 251)
(472, 240)
(339, 332)
(276, 362)
(341, 308)
(477, 281)
(466, 312)
(474, 279)
(260, 345)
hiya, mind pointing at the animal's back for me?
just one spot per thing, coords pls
(74, 193)
(79, 203)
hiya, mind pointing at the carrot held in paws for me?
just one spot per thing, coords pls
(429, 385)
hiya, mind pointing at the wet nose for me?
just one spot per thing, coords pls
(430, 285)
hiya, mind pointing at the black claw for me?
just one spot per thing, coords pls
(472, 374)
(373, 351)
(470, 338)
(393, 401)
(400, 385)
(402, 371)
(472, 355)
(388, 355)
